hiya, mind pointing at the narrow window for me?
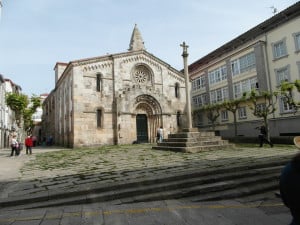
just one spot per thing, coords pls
(177, 92)
(99, 83)
(224, 115)
(242, 113)
(99, 118)
(297, 41)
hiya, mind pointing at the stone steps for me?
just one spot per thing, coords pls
(213, 184)
(191, 140)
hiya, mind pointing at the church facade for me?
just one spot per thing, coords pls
(114, 99)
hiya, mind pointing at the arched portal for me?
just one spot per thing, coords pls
(148, 119)
(142, 128)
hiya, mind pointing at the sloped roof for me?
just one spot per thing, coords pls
(269, 24)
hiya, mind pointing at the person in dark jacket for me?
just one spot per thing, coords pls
(290, 188)
(263, 136)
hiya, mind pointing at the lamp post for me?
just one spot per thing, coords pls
(187, 85)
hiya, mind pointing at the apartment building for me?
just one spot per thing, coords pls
(260, 59)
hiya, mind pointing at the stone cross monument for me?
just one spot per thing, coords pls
(187, 85)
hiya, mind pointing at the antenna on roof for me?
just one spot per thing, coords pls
(274, 10)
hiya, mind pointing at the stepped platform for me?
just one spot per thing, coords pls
(192, 140)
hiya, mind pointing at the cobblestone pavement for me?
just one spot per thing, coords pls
(116, 160)
(67, 168)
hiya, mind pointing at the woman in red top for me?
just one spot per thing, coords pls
(28, 144)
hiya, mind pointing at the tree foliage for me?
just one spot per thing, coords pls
(23, 107)
(233, 106)
(286, 90)
(263, 104)
(212, 113)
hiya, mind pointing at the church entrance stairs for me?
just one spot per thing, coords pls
(191, 140)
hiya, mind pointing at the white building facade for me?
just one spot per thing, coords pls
(260, 59)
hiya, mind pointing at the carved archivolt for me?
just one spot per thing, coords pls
(148, 104)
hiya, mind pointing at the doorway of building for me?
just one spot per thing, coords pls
(142, 128)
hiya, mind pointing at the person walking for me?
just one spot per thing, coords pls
(14, 146)
(289, 185)
(29, 145)
(159, 135)
(263, 136)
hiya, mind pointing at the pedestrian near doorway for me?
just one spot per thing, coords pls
(263, 136)
(29, 145)
(160, 134)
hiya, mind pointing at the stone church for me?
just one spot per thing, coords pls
(114, 99)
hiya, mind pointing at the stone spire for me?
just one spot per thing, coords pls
(136, 41)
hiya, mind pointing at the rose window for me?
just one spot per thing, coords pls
(141, 74)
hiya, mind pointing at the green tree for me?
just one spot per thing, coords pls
(263, 104)
(233, 106)
(212, 113)
(18, 103)
(23, 108)
(286, 91)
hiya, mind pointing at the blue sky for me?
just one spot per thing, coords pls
(35, 34)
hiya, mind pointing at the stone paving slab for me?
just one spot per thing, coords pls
(66, 169)
(168, 212)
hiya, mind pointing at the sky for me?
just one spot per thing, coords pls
(35, 34)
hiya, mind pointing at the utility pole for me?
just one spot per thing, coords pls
(187, 85)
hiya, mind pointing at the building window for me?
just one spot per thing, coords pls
(198, 83)
(260, 108)
(217, 75)
(242, 113)
(199, 100)
(99, 118)
(177, 90)
(297, 41)
(285, 107)
(224, 115)
(282, 74)
(244, 86)
(247, 62)
(99, 82)
(219, 95)
(243, 64)
(279, 49)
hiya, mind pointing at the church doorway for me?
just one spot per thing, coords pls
(142, 128)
